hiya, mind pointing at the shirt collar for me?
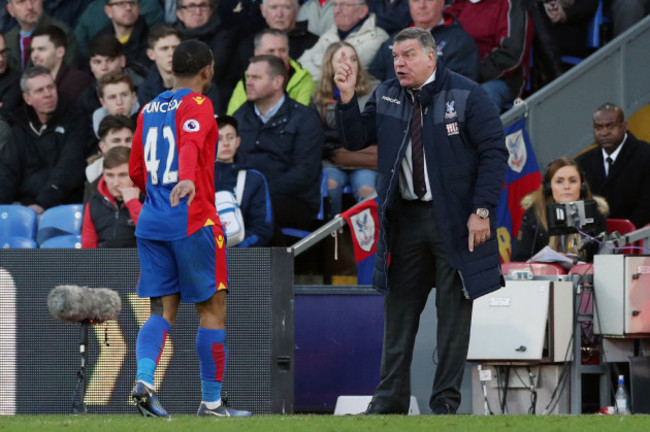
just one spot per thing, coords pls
(616, 152)
(271, 112)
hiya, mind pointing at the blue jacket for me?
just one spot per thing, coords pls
(466, 164)
(287, 149)
(255, 204)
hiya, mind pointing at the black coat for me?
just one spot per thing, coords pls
(627, 188)
(47, 168)
(135, 50)
(286, 149)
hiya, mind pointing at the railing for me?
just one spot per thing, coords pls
(559, 115)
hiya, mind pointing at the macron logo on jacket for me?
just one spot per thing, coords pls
(391, 100)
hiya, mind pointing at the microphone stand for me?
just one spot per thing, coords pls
(78, 406)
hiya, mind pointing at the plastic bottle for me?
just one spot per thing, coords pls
(621, 397)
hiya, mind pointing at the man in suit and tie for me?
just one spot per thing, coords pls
(617, 168)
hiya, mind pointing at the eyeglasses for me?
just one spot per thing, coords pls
(202, 7)
(124, 4)
(346, 5)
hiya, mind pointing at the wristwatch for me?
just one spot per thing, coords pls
(483, 213)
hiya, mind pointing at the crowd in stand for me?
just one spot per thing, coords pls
(74, 74)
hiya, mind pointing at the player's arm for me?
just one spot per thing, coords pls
(136, 160)
(192, 127)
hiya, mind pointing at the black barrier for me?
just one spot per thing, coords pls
(39, 356)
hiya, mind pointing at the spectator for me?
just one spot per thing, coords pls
(283, 140)
(94, 19)
(456, 49)
(111, 214)
(106, 56)
(48, 49)
(42, 165)
(392, 15)
(279, 15)
(318, 14)
(197, 19)
(30, 15)
(561, 30)
(117, 96)
(131, 30)
(274, 42)
(343, 167)
(617, 168)
(114, 131)
(563, 182)
(503, 34)
(353, 24)
(255, 203)
(163, 40)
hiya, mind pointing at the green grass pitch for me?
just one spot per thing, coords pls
(326, 423)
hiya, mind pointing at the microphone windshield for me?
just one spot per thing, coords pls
(75, 304)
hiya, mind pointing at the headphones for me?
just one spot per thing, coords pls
(548, 191)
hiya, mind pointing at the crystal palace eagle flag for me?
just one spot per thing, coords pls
(364, 227)
(522, 178)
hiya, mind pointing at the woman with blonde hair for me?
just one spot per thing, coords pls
(344, 167)
(563, 182)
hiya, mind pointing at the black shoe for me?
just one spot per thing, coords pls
(375, 409)
(442, 409)
(147, 402)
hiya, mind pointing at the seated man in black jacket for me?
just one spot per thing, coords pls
(42, 164)
(283, 139)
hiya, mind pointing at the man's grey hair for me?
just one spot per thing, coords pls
(268, 31)
(30, 73)
(424, 38)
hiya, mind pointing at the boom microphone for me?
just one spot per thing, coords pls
(75, 304)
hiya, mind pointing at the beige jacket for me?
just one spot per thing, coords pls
(366, 41)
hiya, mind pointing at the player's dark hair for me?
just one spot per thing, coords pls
(227, 120)
(56, 35)
(114, 123)
(190, 57)
(116, 156)
(105, 45)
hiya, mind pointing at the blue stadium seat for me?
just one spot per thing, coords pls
(60, 220)
(593, 34)
(15, 242)
(17, 221)
(62, 242)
